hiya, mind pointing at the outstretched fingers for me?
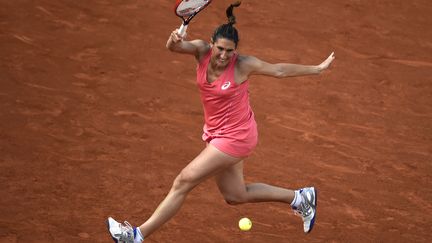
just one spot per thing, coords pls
(324, 65)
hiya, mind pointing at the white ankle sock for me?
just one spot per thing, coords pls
(297, 199)
(138, 236)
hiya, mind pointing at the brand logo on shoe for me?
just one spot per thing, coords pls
(226, 85)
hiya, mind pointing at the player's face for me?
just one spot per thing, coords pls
(222, 51)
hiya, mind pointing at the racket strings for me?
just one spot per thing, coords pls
(188, 8)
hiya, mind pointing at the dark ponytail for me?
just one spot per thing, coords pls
(228, 31)
(229, 12)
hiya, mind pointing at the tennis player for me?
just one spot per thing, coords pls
(230, 131)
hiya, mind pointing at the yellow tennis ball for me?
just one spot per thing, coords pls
(245, 224)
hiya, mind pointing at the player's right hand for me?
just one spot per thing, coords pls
(176, 37)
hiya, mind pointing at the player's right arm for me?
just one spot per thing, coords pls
(176, 43)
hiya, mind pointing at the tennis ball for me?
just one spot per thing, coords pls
(245, 224)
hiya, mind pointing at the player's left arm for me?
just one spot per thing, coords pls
(250, 65)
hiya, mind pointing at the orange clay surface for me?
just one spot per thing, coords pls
(98, 117)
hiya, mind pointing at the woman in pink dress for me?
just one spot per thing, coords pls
(230, 131)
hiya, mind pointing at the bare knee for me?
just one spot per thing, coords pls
(235, 199)
(184, 182)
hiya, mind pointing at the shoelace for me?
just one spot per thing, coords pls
(126, 231)
(303, 209)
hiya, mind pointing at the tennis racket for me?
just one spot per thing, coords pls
(187, 9)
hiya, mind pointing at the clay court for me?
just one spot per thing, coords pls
(98, 117)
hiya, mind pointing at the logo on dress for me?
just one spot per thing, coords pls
(226, 85)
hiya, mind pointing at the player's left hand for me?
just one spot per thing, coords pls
(324, 65)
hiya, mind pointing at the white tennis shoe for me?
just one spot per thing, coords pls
(307, 208)
(120, 233)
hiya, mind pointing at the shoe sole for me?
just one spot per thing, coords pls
(108, 226)
(316, 205)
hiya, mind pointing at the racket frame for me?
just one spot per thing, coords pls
(187, 18)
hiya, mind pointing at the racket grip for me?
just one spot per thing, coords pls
(182, 30)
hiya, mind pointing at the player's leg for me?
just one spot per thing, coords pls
(209, 162)
(232, 186)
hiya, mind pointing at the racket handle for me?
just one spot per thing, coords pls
(182, 29)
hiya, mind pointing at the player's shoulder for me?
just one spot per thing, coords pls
(201, 48)
(247, 58)
(200, 44)
(246, 61)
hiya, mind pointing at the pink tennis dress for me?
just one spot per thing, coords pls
(229, 121)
